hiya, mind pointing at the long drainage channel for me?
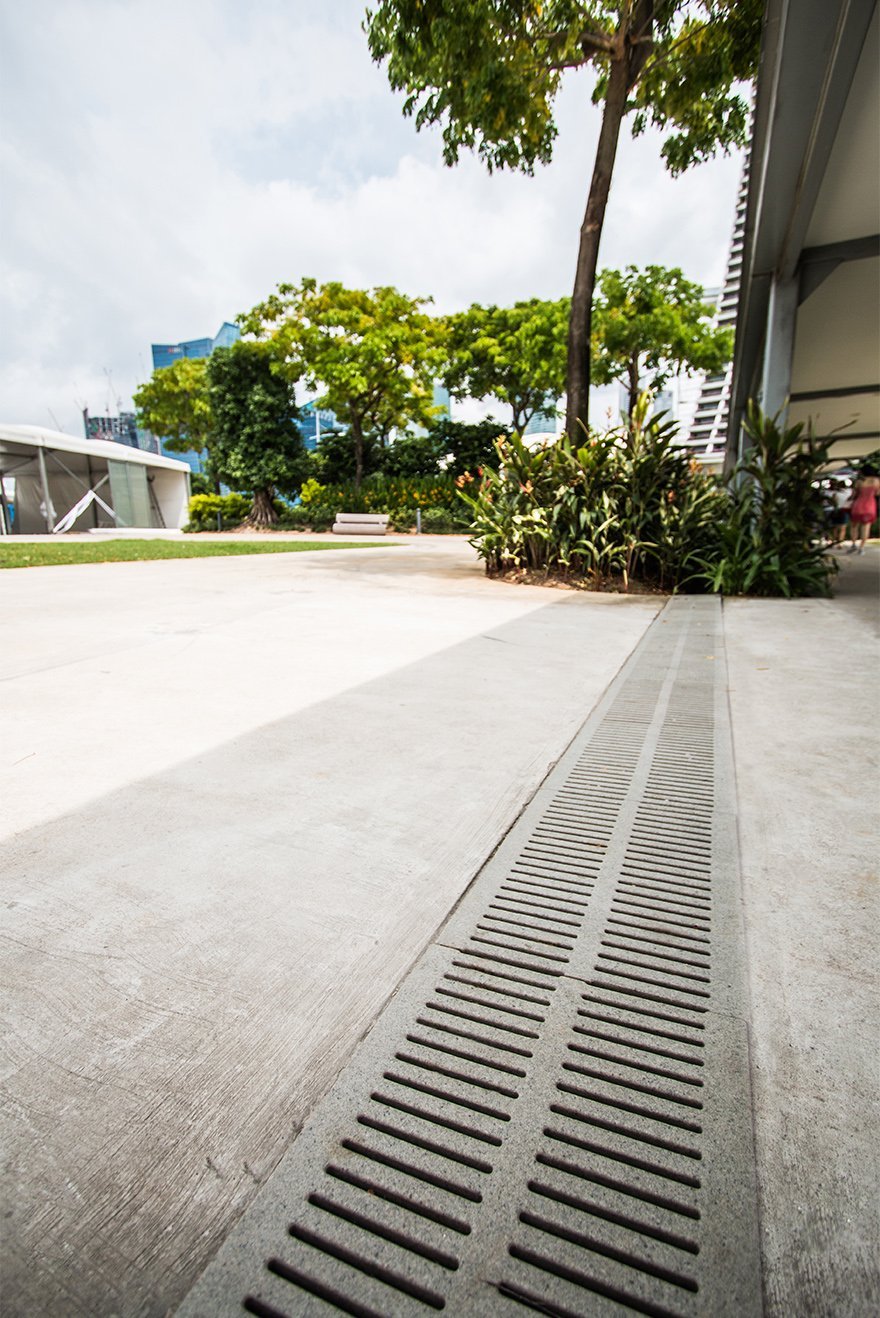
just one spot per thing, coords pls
(553, 1112)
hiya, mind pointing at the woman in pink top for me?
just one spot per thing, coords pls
(863, 512)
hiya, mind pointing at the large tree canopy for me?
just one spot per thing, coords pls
(650, 324)
(374, 353)
(257, 443)
(515, 354)
(174, 404)
(488, 71)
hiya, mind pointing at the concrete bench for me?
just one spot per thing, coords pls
(360, 524)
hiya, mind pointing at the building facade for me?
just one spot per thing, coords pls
(313, 422)
(166, 354)
(122, 429)
(706, 436)
(808, 331)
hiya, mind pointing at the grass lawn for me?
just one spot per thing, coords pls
(30, 554)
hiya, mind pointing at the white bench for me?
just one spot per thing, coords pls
(360, 524)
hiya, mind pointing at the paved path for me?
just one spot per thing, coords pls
(229, 838)
(241, 796)
(804, 688)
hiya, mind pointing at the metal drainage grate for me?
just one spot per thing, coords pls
(553, 1112)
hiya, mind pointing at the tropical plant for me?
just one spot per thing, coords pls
(626, 505)
(547, 508)
(767, 542)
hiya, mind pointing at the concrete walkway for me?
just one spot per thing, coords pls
(241, 794)
(804, 687)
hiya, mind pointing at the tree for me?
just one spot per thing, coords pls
(333, 461)
(257, 444)
(651, 324)
(488, 72)
(515, 354)
(374, 352)
(468, 446)
(174, 404)
(414, 455)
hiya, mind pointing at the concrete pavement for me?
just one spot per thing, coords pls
(804, 693)
(242, 793)
(241, 796)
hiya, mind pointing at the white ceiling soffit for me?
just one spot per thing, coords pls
(848, 204)
(814, 160)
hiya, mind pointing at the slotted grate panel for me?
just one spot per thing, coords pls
(553, 1112)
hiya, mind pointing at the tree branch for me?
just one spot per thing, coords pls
(653, 63)
(596, 42)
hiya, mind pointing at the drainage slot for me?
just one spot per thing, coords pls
(385, 1233)
(367, 1266)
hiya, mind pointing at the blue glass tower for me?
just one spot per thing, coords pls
(313, 423)
(166, 354)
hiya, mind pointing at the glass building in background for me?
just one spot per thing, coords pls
(166, 354)
(313, 422)
(122, 429)
(542, 423)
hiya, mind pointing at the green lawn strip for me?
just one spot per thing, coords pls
(31, 554)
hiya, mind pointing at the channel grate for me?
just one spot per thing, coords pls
(553, 1111)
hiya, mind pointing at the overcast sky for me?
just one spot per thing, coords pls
(164, 165)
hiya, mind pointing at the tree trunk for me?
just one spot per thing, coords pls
(580, 322)
(632, 372)
(262, 514)
(626, 67)
(357, 435)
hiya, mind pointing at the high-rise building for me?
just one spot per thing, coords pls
(542, 423)
(708, 431)
(166, 354)
(313, 422)
(122, 429)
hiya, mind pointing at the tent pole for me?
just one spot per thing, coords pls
(44, 480)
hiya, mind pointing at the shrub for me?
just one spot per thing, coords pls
(766, 541)
(626, 504)
(401, 519)
(630, 505)
(204, 510)
(311, 491)
(389, 494)
(321, 517)
(295, 519)
(444, 521)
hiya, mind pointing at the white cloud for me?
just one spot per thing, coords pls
(175, 165)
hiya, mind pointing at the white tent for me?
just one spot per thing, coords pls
(52, 482)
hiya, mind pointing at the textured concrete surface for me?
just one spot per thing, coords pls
(227, 836)
(239, 796)
(804, 699)
(639, 1104)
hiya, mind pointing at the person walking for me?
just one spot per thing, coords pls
(863, 512)
(840, 498)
